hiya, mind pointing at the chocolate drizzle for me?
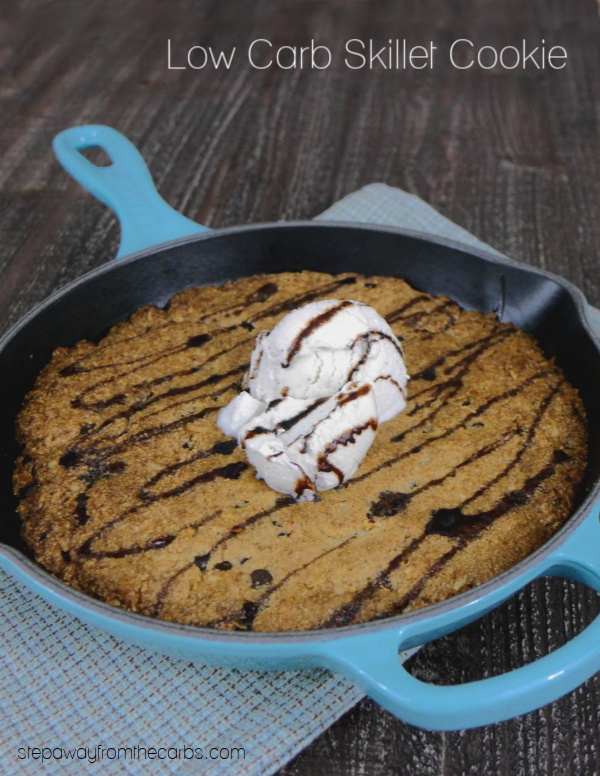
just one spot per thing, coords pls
(283, 425)
(156, 543)
(324, 465)
(301, 299)
(398, 314)
(312, 326)
(80, 402)
(288, 423)
(347, 438)
(151, 398)
(371, 337)
(225, 447)
(230, 471)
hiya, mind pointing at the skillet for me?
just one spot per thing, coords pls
(161, 253)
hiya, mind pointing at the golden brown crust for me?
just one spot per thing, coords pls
(129, 492)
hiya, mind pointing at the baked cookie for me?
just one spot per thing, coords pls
(130, 493)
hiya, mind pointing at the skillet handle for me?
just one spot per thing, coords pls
(126, 186)
(372, 661)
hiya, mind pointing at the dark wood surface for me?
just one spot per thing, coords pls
(512, 156)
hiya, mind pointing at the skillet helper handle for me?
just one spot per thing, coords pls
(373, 664)
(126, 186)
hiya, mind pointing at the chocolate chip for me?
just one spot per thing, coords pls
(224, 448)
(202, 561)
(388, 504)
(26, 490)
(261, 577)
(70, 369)
(160, 541)
(247, 325)
(428, 374)
(70, 458)
(81, 513)
(560, 456)
(249, 612)
(198, 340)
(263, 293)
(224, 565)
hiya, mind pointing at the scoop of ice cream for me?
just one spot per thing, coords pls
(319, 385)
(317, 349)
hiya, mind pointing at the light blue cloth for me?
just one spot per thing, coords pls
(382, 204)
(65, 684)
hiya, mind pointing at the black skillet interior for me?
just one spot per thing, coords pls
(535, 302)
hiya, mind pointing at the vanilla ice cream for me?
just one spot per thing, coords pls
(319, 385)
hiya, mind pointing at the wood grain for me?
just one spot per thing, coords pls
(514, 157)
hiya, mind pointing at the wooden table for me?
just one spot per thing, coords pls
(511, 155)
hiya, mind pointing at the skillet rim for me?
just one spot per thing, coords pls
(38, 574)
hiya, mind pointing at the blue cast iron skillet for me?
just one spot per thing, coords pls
(161, 253)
